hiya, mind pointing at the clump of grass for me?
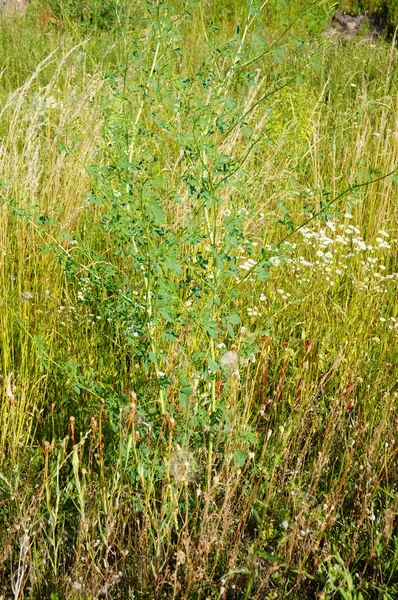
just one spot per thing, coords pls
(199, 323)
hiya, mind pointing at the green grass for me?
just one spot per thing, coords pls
(199, 309)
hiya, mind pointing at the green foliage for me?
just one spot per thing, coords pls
(99, 14)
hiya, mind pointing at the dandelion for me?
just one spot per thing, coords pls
(182, 466)
(230, 360)
(26, 296)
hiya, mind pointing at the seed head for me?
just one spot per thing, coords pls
(230, 360)
(182, 466)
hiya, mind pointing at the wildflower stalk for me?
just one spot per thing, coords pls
(213, 410)
(140, 109)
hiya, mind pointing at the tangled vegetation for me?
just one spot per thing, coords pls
(199, 316)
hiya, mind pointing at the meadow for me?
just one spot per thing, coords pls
(199, 315)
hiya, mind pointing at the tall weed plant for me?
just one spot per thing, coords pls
(199, 323)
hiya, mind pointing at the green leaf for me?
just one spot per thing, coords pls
(233, 319)
(186, 389)
(213, 365)
(211, 329)
(240, 457)
(262, 272)
(268, 556)
(172, 264)
(230, 330)
(184, 400)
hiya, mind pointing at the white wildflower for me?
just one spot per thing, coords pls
(274, 260)
(382, 243)
(331, 225)
(248, 264)
(341, 240)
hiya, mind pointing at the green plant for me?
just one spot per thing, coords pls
(199, 316)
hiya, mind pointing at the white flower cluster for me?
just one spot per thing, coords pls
(336, 249)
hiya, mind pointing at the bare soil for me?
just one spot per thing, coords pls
(346, 26)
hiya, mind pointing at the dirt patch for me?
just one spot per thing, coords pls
(10, 6)
(347, 26)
